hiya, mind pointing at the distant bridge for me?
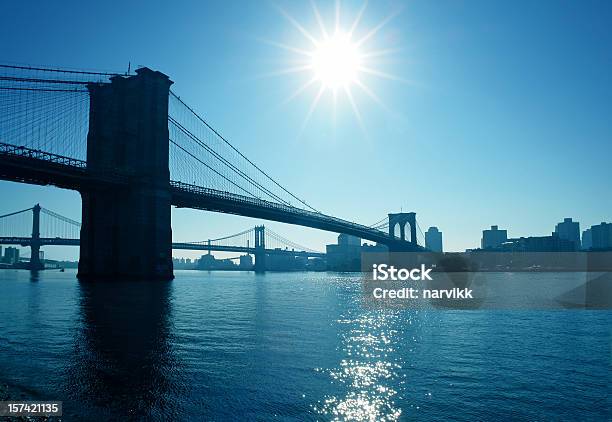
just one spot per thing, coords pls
(58, 230)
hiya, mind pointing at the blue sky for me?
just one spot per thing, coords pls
(500, 113)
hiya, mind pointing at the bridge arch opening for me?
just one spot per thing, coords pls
(397, 230)
(408, 232)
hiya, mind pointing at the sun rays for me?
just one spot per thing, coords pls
(336, 59)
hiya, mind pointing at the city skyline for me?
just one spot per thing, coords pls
(567, 236)
(517, 155)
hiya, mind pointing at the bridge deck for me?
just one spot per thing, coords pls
(26, 165)
(56, 241)
(190, 196)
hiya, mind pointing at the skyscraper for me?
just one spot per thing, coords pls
(569, 230)
(587, 239)
(602, 236)
(433, 239)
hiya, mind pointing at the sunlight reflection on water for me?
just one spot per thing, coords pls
(369, 372)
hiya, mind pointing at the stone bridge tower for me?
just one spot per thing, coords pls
(403, 219)
(126, 232)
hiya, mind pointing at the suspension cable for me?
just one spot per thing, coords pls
(61, 217)
(16, 212)
(239, 153)
(225, 161)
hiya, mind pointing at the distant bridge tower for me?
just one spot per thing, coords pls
(126, 233)
(35, 263)
(403, 219)
(260, 249)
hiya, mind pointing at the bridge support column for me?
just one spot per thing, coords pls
(35, 263)
(126, 232)
(260, 249)
(402, 219)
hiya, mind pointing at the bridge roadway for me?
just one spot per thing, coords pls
(50, 241)
(25, 165)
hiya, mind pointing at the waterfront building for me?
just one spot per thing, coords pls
(569, 230)
(587, 239)
(280, 262)
(11, 255)
(601, 236)
(246, 262)
(184, 263)
(493, 238)
(346, 255)
(209, 262)
(433, 239)
(551, 243)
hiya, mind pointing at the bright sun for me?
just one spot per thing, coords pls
(336, 61)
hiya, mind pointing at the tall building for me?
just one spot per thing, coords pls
(569, 230)
(601, 235)
(346, 255)
(11, 255)
(209, 262)
(587, 239)
(433, 239)
(278, 262)
(348, 240)
(246, 262)
(493, 238)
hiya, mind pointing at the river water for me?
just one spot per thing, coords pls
(291, 346)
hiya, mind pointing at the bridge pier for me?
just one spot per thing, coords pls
(35, 263)
(126, 232)
(260, 249)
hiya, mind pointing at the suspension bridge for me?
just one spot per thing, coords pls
(49, 228)
(133, 148)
